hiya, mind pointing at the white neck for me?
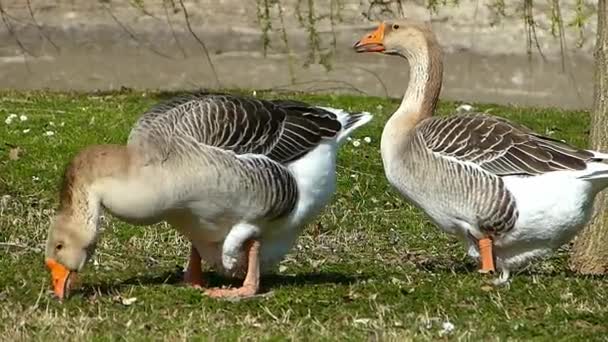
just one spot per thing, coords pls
(418, 101)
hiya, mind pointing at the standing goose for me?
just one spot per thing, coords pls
(238, 176)
(510, 193)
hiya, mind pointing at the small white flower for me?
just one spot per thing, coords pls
(447, 328)
(464, 108)
(22, 118)
(49, 133)
(254, 93)
(35, 178)
(349, 138)
(356, 143)
(51, 123)
(379, 107)
(353, 176)
(27, 130)
(367, 140)
(62, 124)
(9, 118)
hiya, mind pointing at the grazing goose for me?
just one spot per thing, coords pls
(510, 193)
(238, 176)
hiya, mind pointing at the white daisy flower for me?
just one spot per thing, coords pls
(22, 118)
(27, 130)
(367, 140)
(356, 143)
(9, 118)
(447, 328)
(464, 108)
(49, 133)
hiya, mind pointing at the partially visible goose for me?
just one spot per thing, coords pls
(510, 193)
(238, 176)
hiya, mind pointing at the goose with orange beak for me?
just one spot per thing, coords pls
(238, 176)
(511, 194)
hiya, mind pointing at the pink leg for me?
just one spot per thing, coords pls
(194, 272)
(251, 284)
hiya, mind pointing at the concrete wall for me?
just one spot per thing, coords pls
(92, 44)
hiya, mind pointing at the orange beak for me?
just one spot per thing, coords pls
(62, 278)
(372, 42)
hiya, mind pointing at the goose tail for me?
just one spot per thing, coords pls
(350, 121)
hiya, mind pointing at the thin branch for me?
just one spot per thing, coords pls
(378, 78)
(143, 10)
(557, 15)
(179, 45)
(39, 27)
(290, 60)
(563, 46)
(25, 52)
(201, 43)
(133, 36)
(532, 37)
(348, 86)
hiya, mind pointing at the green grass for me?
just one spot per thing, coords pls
(371, 267)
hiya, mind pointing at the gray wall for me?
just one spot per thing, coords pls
(92, 44)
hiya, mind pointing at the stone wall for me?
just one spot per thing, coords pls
(93, 44)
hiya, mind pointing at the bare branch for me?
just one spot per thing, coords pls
(140, 7)
(530, 24)
(133, 36)
(201, 43)
(290, 60)
(179, 45)
(376, 76)
(6, 20)
(39, 27)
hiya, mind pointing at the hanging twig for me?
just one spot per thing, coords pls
(530, 24)
(24, 51)
(133, 36)
(201, 43)
(39, 27)
(179, 45)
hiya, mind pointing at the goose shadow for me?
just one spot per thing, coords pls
(268, 282)
(467, 265)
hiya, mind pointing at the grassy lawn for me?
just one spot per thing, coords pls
(371, 267)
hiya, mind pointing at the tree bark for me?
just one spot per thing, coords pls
(590, 253)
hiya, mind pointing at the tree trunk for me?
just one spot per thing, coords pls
(590, 254)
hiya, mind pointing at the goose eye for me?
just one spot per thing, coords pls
(59, 246)
(395, 26)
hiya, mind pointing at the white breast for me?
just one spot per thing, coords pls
(552, 208)
(316, 178)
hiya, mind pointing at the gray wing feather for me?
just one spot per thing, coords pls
(282, 130)
(499, 146)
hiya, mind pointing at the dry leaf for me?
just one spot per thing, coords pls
(15, 153)
(487, 288)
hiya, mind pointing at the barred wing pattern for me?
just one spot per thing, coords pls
(241, 143)
(466, 157)
(499, 146)
(281, 130)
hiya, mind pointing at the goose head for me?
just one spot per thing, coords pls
(70, 243)
(73, 232)
(405, 38)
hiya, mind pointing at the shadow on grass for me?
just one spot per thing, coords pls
(268, 282)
